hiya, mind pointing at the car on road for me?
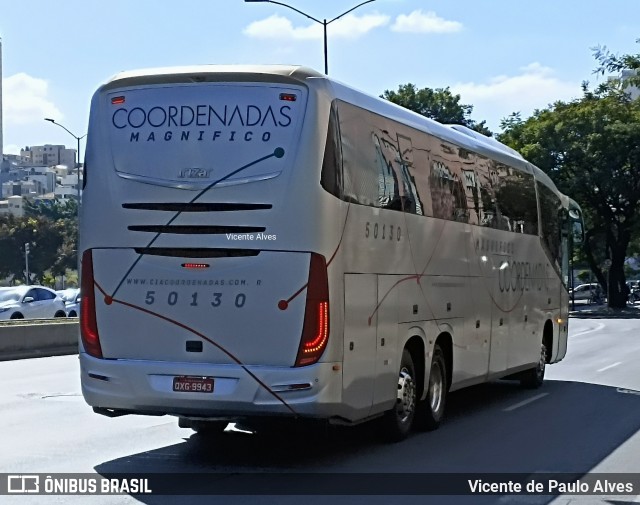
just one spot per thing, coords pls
(30, 302)
(71, 298)
(590, 293)
(634, 291)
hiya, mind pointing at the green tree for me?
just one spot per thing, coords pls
(53, 210)
(612, 63)
(12, 240)
(64, 217)
(438, 104)
(45, 239)
(590, 147)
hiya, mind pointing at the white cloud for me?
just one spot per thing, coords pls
(350, 26)
(534, 87)
(278, 27)
(25, 100)
(429, 22)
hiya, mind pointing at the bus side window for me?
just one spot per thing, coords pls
(331, 178)
(487, 198)
(516, 195)
(550, 219)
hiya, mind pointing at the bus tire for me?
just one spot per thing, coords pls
(534, 377)
(397, 422)
(430, 411)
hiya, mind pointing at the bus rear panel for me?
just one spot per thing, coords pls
(197, 299)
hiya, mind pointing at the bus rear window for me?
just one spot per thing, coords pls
(187, 135)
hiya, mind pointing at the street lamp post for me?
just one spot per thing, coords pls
(77, 153)
(324, 22)
(26, 261)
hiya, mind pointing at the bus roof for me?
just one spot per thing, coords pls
(456, 134)
(211, 73)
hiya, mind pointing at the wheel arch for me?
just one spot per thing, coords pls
(416, 347)
(548, 339)
(445, 341)
(421, 349)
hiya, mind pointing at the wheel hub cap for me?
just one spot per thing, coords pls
(406, 399)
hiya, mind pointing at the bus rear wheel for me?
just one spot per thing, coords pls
(430, 411)
(534, 377)
(398, 421)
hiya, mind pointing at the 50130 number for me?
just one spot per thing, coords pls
(382, 231)
(195, 299)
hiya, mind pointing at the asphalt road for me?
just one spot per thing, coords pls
(585, 419)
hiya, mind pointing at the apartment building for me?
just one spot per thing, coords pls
(48, 155)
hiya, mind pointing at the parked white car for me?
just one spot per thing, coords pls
(71, 297)
(30, 302)
(591, 293)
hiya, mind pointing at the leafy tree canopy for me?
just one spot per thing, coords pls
(51, 231)
(590, 147)
(612, 63)
(438, 104)
(54, 209)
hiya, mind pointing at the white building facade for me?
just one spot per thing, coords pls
(49, 155)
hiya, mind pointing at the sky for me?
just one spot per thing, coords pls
(501, 56)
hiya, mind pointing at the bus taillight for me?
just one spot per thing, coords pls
(315, 331)
(88, 325)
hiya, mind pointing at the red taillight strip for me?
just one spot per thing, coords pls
(315, 326)
(88, 324)
(323, 330)
(195, 265)
(109, 300)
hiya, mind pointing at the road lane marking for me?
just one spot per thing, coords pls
(628, 391)
(525, 402)
(610, 366)
(598, 327)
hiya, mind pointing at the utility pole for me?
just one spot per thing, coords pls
(26, 261)
(78, 162)
(324, 22)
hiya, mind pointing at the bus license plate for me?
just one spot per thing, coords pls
(186, 384)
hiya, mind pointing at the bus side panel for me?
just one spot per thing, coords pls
(388, 351)
(360, 299)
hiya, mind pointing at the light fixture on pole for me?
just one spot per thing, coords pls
(77, 153)
(324, 22)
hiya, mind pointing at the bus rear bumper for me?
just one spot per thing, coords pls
(146, 387)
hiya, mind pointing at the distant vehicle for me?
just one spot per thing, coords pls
(30, 302)
(591, 293)
(71, 298)
(634, 291)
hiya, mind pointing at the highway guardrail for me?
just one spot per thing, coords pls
(33, 338)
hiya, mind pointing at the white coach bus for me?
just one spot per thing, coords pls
(262, 242)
